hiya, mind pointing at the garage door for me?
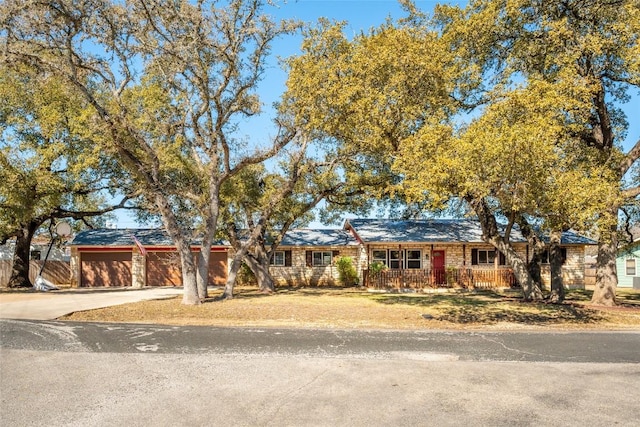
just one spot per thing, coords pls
(105, 269)
(163, 269)
(218, 268)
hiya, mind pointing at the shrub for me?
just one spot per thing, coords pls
(376, 267)
(245, 276)
(347, 273)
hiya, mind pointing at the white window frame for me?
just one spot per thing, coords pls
(276, 261)
(326, 257)
(626, 266)
(377, 258)
(413, 260)
(489, 256)
(395, 263)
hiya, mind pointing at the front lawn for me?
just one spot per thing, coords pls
(357, 308)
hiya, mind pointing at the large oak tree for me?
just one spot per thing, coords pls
(169, 82)
(51, 166)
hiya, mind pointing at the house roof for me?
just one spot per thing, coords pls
(436, 231)
(318, 237)
(123, 237)
(159, 237)
(368, 230)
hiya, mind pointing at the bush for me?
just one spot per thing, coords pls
(246, 277)
(347, 273)
(376, 267)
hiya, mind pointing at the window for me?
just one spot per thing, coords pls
(322, 258)
(397, 259)
(486, 257)
(630, 265)
(36, 255)
(414, 258)
(545, 256)
(278, 259)
(394, 259)
(379, 256)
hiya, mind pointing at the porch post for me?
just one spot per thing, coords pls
(432, 278)
(401, 256)
(496, 262)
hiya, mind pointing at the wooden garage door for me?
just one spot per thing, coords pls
(218, 268)
(105, 269)
(163, 269)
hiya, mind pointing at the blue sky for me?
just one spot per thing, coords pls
(360, 15)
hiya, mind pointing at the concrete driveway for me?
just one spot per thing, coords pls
(51, 305)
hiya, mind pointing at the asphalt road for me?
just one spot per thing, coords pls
(62, 373)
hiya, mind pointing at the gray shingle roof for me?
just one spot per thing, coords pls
(318, 237)
(369, 230)
(122, 237)
(436, 231)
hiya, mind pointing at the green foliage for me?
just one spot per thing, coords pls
(377, 267)
(347, 273)
(245, 276)
(400, 97)
(50, 164)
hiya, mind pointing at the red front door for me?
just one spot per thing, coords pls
(437, 267)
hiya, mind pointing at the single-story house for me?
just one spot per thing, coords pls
(134, 257)
(628, 265)
(450, 252)
(414, 253)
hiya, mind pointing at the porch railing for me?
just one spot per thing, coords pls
(470, 278)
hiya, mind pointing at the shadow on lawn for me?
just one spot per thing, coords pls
(490, 308)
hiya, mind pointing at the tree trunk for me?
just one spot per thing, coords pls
(190, 293)
(202, 273)
(189, 283)
(530, 289)
(604, 292)
(207, 240)
(490, 234)
(534, 269)
(22, 252)
(537, 246)
(555, 261)
(233, 273)
(259, 265)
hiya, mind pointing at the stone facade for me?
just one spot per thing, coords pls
(138, 269)
(300, 273)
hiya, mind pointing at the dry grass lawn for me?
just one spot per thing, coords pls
(357, 308)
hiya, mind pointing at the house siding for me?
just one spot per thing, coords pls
(633, 252)
(573, 270)
(300, 274)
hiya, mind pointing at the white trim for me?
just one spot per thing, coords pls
(626, 267)
(322, 258)
(273, 259)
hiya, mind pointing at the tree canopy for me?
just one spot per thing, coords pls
(51, 165)
(495, 104)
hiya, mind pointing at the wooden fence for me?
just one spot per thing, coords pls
(441, 278)
(57, 272)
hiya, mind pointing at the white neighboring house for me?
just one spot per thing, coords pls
(38, 251)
